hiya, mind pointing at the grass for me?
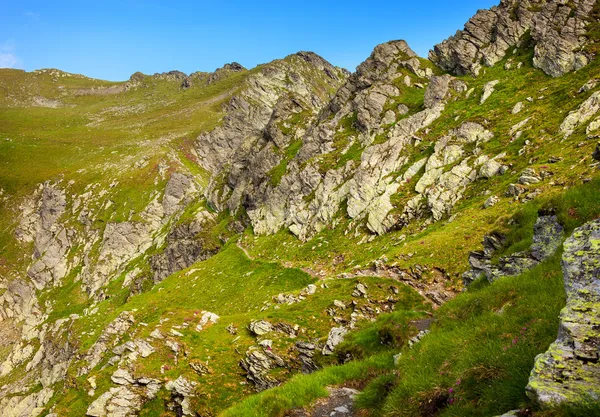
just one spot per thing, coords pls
(477, 358)
(302, 390)
(485, 338)
(479, 354)
(238, 290)
(280, 169)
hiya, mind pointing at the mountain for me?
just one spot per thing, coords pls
(416, 238)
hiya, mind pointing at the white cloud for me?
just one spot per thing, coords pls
(32, 15)
(8, 58)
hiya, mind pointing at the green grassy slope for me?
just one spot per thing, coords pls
(479, 353)
(476, 359)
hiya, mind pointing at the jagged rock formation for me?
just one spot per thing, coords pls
(547, 237)
(305, 199)
(184, 247)
(250, 112)
(569, 371)
(557, 29)
(258, 363)
(40, 224)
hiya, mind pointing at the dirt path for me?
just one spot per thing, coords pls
(309, 271)
(340, 403)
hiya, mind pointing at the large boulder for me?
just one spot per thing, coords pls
(569, 371)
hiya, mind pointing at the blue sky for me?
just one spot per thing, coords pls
(113, 39)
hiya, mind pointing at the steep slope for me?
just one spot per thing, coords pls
(174, 243)
(112, 205)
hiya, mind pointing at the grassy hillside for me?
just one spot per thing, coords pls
(479, 353)
(115, 147)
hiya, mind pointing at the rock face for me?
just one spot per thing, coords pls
(557, 30)
(308, 196)
(41, 224)
(251, 111)
(569, 372)
(581, 115)
(547, 237)
(184, 247)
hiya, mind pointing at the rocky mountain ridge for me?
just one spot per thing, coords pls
(557, 30)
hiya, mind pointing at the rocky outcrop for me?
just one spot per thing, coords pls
(40, 224)
(125, 400)
(26, 406)
(547, 237)
(109, 338)
(581, 115)
(184, 247)
(336, 336)
(204, 78)
(177, 192)
(569, 371)
(258, 363)
(307, 197)
(123, 242)
(182, 391)
(557, 30)
(306, 352)
(248, 113)
(41, 366)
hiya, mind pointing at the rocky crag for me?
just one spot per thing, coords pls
(569, 371)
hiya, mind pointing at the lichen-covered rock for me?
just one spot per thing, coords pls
(557, 30)
(437, 90)
(488, 89)
(569, 371)
(26, 406)
(529, 176)
(182, 391)
(184, 247)
(491, 168)
(260, 327)
(517, 108)
(581, 115)
(178, 189)
(336, 336)
(116, 402)
(257, 364)
(547, 237)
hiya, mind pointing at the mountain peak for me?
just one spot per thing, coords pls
(557, 29)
